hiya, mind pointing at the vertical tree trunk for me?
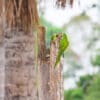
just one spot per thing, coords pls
(2, 52)
(50, 78)
(17, 49)
(56, 74)
(2, 61)
(20, 71)
(43, 66)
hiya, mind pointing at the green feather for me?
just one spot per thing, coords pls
(63, 45)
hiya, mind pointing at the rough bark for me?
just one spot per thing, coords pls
(50, 78)
(56, 74)
(43, 66)
(20, 71)
(2, 61)
(18, 18)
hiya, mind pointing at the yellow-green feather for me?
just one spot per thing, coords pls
(63, 44)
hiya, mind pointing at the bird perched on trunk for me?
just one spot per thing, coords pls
(63, 45)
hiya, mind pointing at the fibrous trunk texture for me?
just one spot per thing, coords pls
(18, 19)
(56, 74)
(20, 71)
(43, 66)
(2, 62)
(50, 79)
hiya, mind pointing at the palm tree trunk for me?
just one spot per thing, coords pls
(17, 48)
(20, 71)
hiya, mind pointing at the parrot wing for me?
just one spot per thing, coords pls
(62, 47)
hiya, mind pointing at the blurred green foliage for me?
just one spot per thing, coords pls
(84, 82)
(88, 88)
(96, 60)
(93, 92)
(50, 29)
(73, 94)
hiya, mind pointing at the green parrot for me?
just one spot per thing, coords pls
(63, 45)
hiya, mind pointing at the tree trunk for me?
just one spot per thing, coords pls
(56, 74)
(50, 78)
(17, 49)
(43, 66)
(2, 62)
(20, 71)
